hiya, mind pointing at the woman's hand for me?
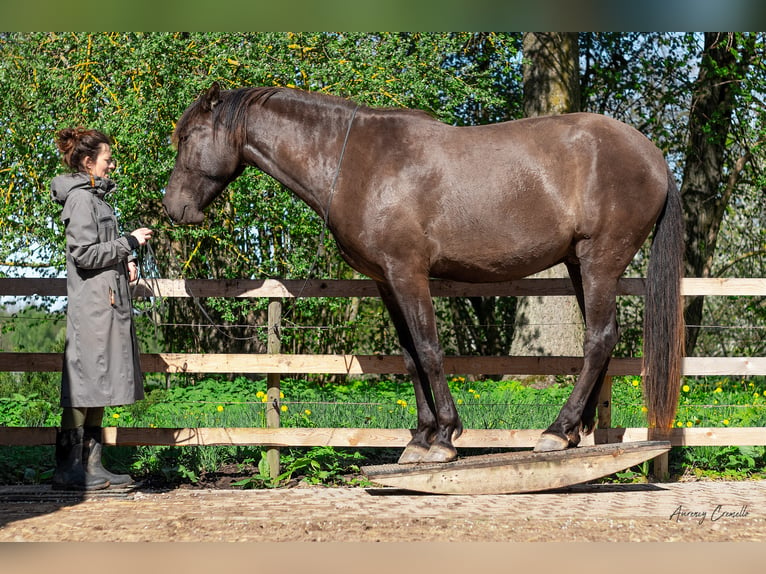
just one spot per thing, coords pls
(143, 235)
(132, 271)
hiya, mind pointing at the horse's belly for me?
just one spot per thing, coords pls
(487, 267)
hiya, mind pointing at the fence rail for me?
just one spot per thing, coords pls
(275, 363)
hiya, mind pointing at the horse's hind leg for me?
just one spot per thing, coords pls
(599, 298)
(589, 413)
(409, 304)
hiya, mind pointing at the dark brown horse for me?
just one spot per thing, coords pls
(408, 198)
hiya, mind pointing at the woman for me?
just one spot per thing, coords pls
(101, 358)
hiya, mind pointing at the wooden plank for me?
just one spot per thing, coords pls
(253, 288)
(694, 436)
(385, 438)
(515, 472)
(723, 286)
(382, 364)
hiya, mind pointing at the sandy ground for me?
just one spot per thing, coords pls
(667, 512)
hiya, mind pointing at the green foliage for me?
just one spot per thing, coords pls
(218, 402)
(135, 85)
(317, 465)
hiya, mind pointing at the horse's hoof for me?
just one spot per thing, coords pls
(440, 453)
(413, 454)
(550, 443)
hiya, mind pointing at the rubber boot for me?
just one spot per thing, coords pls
(91, 456)
(70, 473)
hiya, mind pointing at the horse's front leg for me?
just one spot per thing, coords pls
(411, 309)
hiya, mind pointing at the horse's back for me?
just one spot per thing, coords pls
(506, 200)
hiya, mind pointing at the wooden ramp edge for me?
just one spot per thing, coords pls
(516, 472)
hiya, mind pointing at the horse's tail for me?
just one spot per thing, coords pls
(664, 330)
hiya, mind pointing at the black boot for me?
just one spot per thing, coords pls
(70, 473)
(91, 456)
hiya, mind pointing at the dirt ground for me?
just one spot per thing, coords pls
(662, 512)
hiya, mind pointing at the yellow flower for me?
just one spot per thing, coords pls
(636, 383)
(283, 408)
(689, 424)
(401, 403)
(726, 421)
(307, 412)
(265, 399)
(685, 388)
(476, 395)
(718, 390)
(471, 391)
(281, 395)
(260, 395)
(679, 424)
(644, 409)
(219, 408)
(460, 401)
(116, 415)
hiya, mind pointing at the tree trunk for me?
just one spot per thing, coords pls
(549, 325)
(725, 59)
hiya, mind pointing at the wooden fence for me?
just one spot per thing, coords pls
(273, 363)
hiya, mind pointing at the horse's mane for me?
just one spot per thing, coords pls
(230, 112)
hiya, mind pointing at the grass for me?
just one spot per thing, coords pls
(387, 403)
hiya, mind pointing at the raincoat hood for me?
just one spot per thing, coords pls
(63, 185)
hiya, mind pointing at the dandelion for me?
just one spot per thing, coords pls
(471, 391)
(307, 412)
(636, 383)
(265, 399)
(283, 408)
(281, 395)
(726, 421)
(689, 424)
(718, 390)
(644, 409)
(260, 395)
(679, 424)
(460, 401)
(401, 403)
(219, 408)
(685, 388)
(476, 395)
(116, 415)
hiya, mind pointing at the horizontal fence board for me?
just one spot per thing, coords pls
(253, 288)
(377, 438)
(382, 364)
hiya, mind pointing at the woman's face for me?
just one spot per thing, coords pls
(103, 164)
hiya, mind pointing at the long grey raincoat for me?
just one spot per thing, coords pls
(101, 359)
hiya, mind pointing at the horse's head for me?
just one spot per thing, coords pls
(206, 161)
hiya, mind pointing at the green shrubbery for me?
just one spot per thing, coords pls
(390, 403)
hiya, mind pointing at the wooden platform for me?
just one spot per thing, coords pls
(516, 472)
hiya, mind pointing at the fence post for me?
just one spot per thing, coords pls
(604, 410)
(273, 346)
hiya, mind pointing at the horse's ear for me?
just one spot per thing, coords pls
(212, 97)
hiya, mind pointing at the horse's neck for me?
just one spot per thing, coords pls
(302, 150)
